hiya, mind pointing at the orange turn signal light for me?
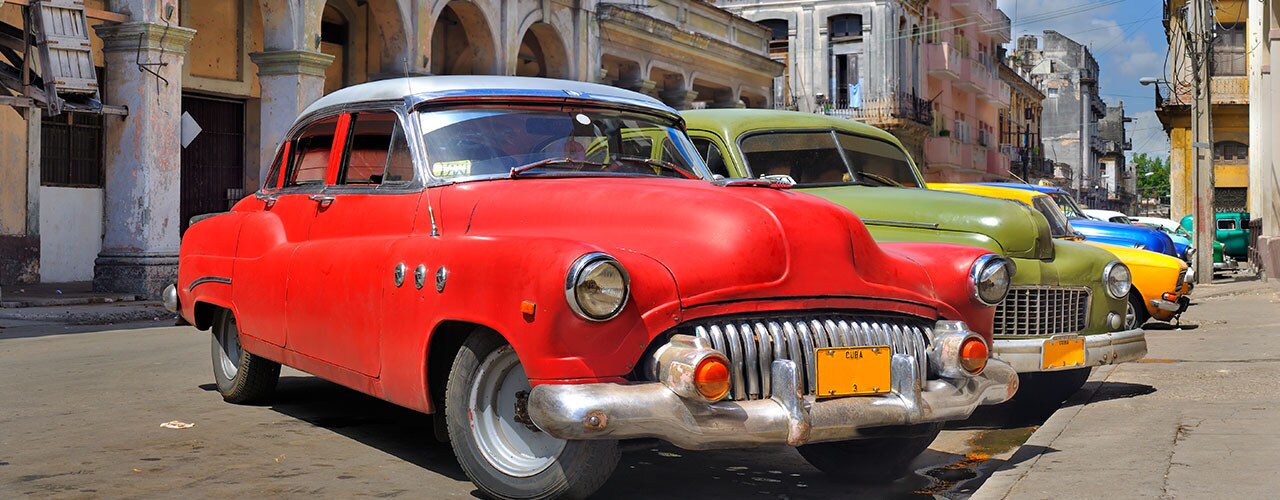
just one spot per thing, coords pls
(711, 377)
(973, 355)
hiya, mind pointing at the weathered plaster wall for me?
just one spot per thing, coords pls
(13, 172)
(71, 233)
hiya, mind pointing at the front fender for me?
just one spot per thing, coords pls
(206, 261)
(948, 267)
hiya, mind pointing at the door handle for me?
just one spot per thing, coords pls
(323, 199)
(267, 199)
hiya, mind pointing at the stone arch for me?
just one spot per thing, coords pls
(462, 42)
(395, 50)
(339, 26)
(541, 53)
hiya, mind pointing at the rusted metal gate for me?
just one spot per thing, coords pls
(213, 163)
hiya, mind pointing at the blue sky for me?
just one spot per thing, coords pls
(1127, 39)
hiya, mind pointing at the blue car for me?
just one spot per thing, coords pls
(1127, 235)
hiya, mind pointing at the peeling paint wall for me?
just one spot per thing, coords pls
(71, 233)
(13, 172)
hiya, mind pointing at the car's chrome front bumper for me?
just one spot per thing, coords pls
(1227, 264)
(652, 410)
(1026, 355)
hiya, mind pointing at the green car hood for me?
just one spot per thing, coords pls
(911, 214)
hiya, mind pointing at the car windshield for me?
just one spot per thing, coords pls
(1059, 226)
(827, 158)
(1068, 206)
(488, 141)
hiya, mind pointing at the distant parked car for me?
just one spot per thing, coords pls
(1180, 236)
(1159, 281)
(1102, 231)
(512, 254)
(1108, 215)
(1233, 232)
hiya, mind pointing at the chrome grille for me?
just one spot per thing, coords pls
(1182, 278)
(752, 344)
(1042, 310)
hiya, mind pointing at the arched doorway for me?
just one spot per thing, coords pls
(334, 35)
(542, 53)
(460, 41)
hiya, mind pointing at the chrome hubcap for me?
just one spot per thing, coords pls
(1130, 316)
(229, 349)
(508, 445)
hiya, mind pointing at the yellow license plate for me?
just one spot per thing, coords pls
(853, 371)
(1063, 353)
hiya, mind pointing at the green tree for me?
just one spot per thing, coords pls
(1153, 175)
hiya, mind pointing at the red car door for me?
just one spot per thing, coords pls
(338, 277)
(270, 236)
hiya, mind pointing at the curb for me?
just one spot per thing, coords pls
(1001, 483)
(90, 314)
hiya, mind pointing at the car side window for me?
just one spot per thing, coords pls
(399, 169)
(1226, 224)
(368, 150)
(272, 181)
(712, 156)
(309, 158)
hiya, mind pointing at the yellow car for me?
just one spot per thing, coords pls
(1159, 281)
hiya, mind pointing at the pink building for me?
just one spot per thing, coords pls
(961, 69)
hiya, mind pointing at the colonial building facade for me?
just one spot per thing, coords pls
(1230, 106)
(87, 196)
(925, 70)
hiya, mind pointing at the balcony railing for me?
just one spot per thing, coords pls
(885, 109)
(943, 60)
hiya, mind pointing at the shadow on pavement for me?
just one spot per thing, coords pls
(398, 431)
(28, 330)
(772, 471)
(1107, 391)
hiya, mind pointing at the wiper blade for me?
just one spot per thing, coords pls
(549, 162)
(665, 165)
(879, 178)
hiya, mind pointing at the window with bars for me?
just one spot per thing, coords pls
(71, 150)
(1230, 150)
(1229, 50)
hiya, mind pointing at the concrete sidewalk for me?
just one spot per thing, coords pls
(73, 304)
(1198, 418)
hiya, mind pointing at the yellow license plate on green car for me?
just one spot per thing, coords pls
(853, 371)
(1063, 352)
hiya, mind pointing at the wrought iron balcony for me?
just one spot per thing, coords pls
(885, 111)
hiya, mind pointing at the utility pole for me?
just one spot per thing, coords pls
(1199, 35)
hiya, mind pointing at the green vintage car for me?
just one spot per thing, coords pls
(1232, 231)
(1060, 319)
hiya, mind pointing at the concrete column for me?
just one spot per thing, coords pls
(141, 191)
(290, 80)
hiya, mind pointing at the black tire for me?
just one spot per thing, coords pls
(577, 470)
(1136, 314)
(872, 460)
(1044, 392)
(242, 377)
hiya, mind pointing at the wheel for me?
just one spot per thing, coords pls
(872, 460)
(1044, 392)
(1135, 313)
(504, 457)
(242, 377)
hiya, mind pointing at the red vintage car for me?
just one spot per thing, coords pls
(536, 262)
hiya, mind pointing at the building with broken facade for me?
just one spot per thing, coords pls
(209, 87)
(1067, 74)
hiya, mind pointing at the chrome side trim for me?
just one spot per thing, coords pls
(207, 279)
(899, 223)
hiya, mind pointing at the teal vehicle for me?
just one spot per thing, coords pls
(1065, 295)
(1232, 232)
(1180, 235)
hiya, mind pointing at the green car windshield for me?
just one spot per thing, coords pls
(1059, 226)
(827, 158)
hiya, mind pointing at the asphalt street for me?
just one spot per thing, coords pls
(83, 409)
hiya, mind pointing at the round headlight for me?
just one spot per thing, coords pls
(990, 277)
(597, 287)
(1117, 279)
